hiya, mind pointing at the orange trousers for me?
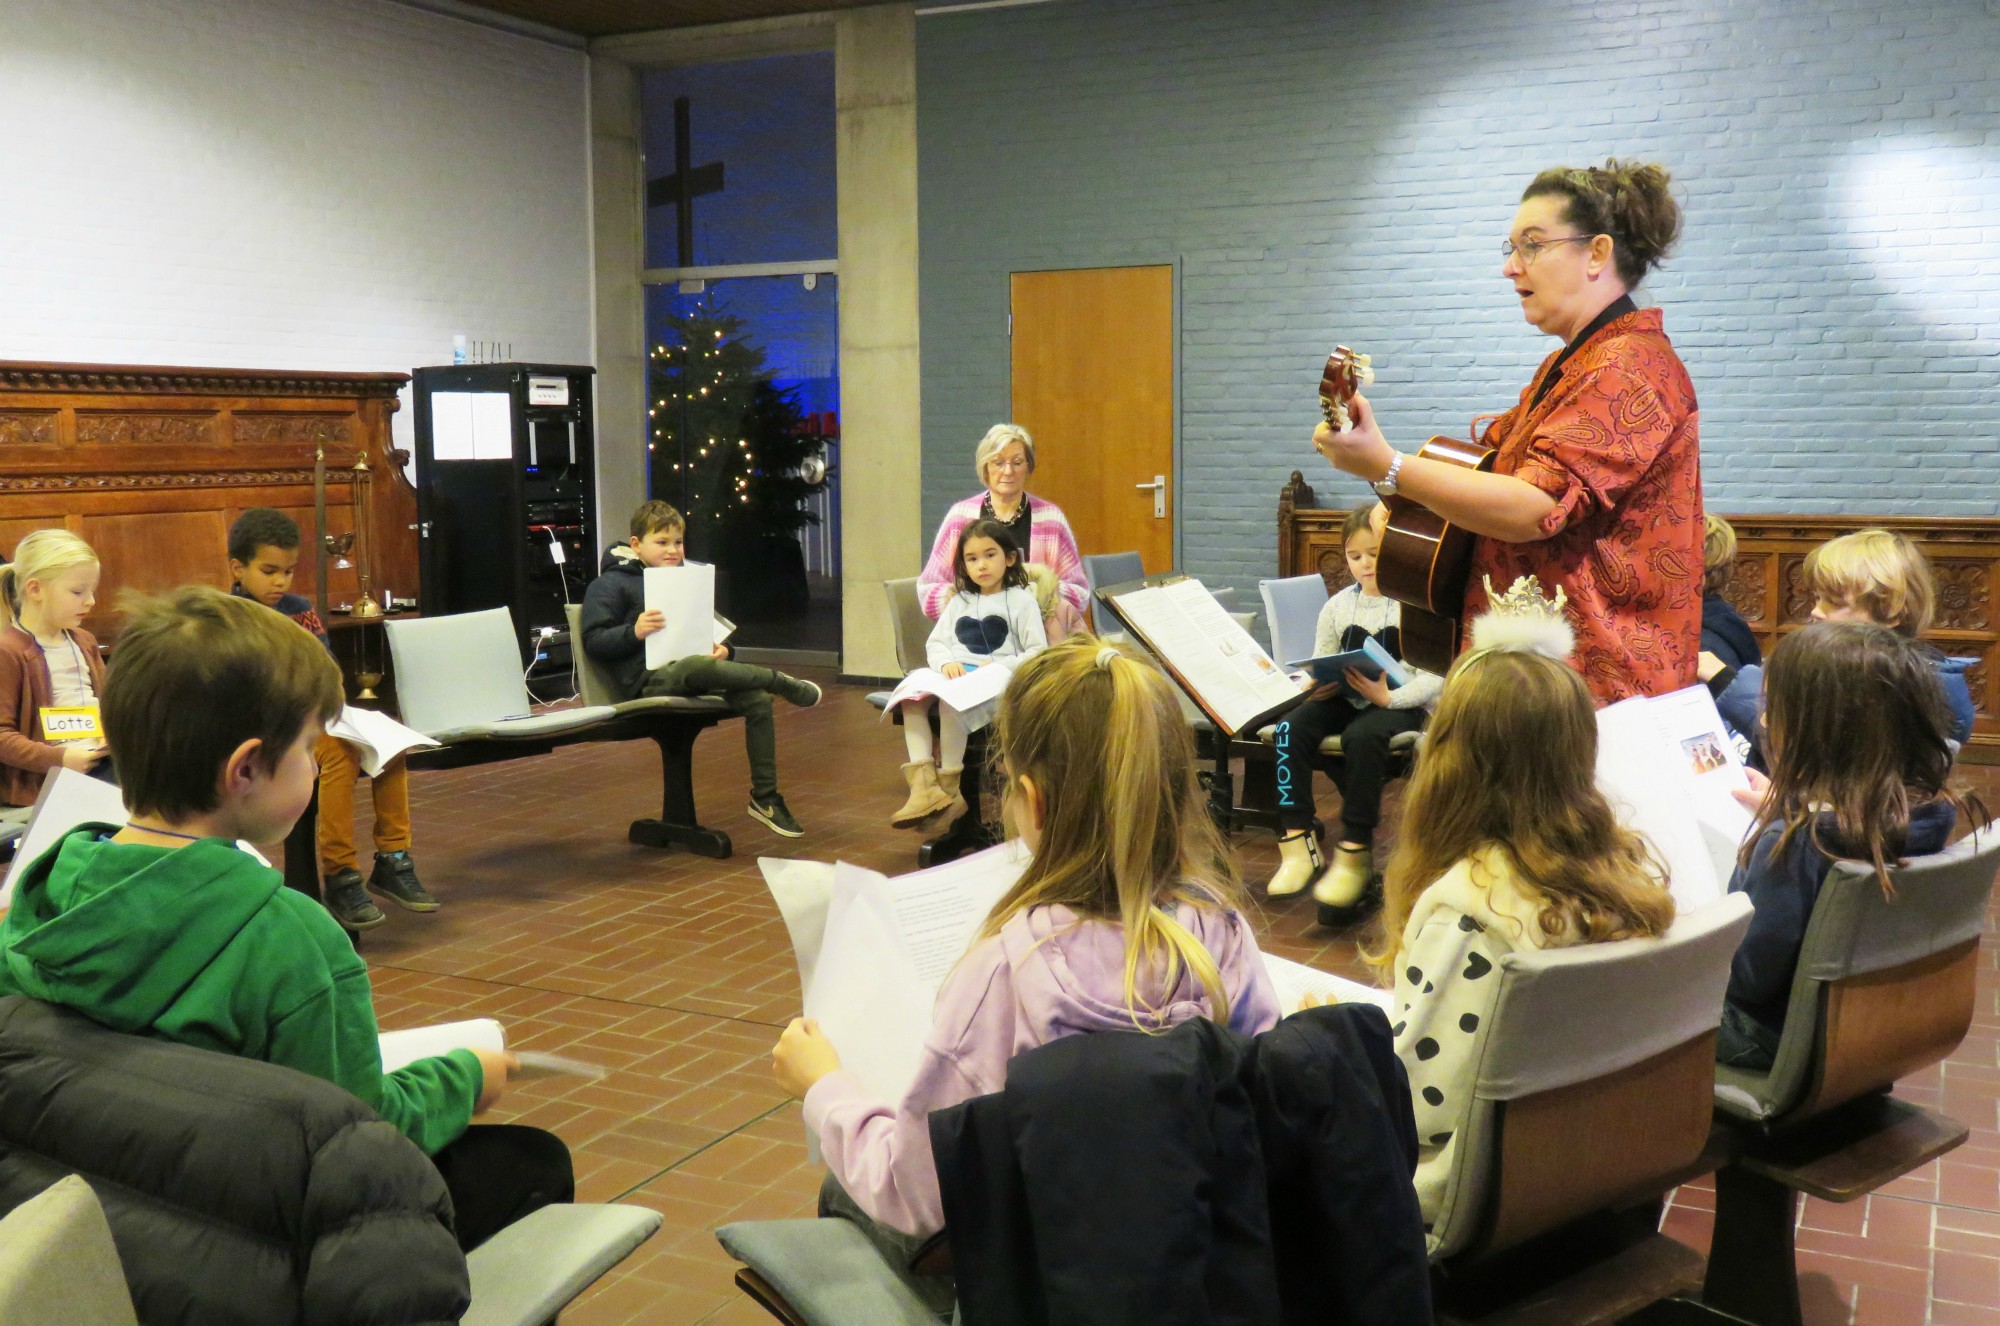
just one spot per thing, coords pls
(338, 770)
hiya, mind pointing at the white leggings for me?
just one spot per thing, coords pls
(917, 734)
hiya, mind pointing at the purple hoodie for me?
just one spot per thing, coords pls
(1044, 976)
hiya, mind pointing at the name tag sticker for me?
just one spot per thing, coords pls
(63, 724)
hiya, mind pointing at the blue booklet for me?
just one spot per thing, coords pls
(1371, 661)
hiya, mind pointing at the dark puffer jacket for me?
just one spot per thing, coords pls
(610, 606)
(239, 1193)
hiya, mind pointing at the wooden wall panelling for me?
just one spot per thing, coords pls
(153, 464)
(1309, 536)
(1767, 583)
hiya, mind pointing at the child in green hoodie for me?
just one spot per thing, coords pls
(165, 928)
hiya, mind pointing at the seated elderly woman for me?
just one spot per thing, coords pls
(1004, 460)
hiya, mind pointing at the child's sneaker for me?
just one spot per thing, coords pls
(775, 815)
(347, 898)
(796, 690)
(395, 878)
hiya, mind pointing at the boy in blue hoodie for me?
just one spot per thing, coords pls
(615, 627)
(166, 928)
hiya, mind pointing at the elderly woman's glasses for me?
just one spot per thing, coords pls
(1010, 463)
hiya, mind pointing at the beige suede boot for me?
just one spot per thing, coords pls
(955, 806)
(926, 797)
(1343, 885)
(1299, 864)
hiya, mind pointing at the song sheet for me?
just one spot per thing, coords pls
(1295, 981)
(964, 693)
(1228, 671)
(1668, 766)
(378, 737)
(68, 800)
(685, 596)
(873, 951)
(400, 1049)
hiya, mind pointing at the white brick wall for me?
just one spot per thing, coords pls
(328, 184)
(1346, 172)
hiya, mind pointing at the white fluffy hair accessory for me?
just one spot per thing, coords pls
(1524, 621)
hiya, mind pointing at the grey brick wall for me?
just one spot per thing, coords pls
(1335, 171)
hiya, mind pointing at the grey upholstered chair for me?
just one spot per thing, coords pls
(1291, 609)
(1885, 986)
(1592, 1098)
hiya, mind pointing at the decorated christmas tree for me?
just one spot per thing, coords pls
(730, 449)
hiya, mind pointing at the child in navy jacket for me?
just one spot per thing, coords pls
(1856, 729)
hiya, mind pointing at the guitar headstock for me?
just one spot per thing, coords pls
(1346, 373)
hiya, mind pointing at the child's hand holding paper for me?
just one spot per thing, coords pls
(802, 1057)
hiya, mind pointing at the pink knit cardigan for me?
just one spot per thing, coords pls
(1050, 544)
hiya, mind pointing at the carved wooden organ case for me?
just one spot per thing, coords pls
(151, 465)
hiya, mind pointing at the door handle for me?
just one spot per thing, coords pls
(1158, 487)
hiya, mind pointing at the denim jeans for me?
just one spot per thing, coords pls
(938, 1292)
(1744, 1042)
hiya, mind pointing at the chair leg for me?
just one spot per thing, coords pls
(1221, 785)
(1753, 1271)
(969, 832)
(677, 823)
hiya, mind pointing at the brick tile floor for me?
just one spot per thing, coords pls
(674, 972)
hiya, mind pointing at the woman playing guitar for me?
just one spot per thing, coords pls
(1596, 484)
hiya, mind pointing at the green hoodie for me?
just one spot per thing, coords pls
(204, 946)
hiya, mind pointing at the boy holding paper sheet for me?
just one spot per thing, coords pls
(263, 558)
(617, 624)
(165, 928)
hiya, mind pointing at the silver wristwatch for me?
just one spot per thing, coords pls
(1386, 485)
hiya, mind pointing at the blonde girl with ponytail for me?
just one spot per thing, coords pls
(47, 660)
(1130, 916)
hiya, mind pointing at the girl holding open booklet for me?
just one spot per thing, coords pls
(992, 620)
(1365, 713)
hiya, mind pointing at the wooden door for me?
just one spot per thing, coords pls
(1093, 373)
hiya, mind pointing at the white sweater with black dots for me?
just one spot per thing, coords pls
(1445, 990)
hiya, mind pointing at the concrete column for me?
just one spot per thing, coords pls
(875, 100)
(619, 309)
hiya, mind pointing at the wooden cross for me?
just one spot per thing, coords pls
(687, 183)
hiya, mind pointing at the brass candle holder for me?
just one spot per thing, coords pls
(359, 493)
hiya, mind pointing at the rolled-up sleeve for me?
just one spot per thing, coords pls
(1594, 444)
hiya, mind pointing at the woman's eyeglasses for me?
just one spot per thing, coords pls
(1531, 249)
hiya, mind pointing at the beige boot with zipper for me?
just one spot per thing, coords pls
(926, 797)
(1299, 864)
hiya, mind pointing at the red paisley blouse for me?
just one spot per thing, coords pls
(1615, 443)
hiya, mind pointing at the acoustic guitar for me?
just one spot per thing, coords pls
(1425, 559)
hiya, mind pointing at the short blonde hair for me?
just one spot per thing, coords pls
(1878, 571)
(998, 438)
(40, 555)
(1718, 550)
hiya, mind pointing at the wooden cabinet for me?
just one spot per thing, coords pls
(152, 464)
(1766, 582)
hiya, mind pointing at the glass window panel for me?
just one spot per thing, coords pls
(769, 124)
(744, 396)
